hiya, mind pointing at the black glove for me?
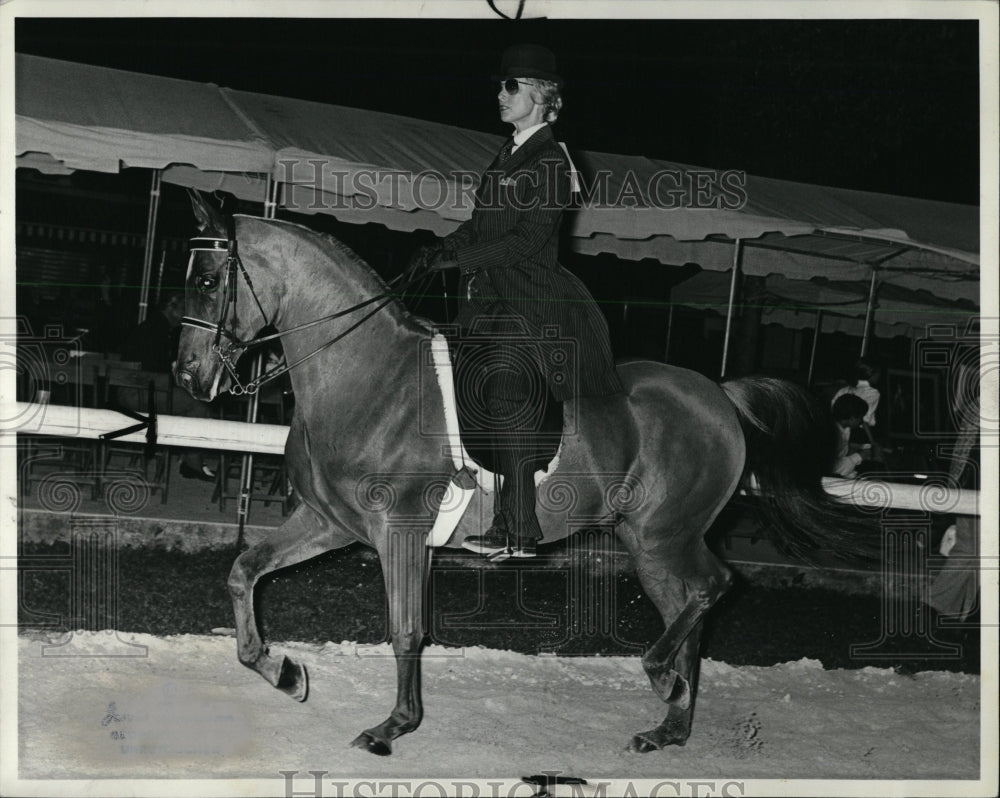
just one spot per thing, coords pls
(442, 259)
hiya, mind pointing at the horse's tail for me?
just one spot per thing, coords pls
(789, 441)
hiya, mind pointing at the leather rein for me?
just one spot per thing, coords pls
(228, 351)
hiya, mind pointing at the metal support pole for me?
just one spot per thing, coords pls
(444, 296)
(253, 406)
(812, 352)
(159, 276)
(670, 327)
(147, 258)
(737, 251)
(271, 190)
(869, 313)
(246, 468)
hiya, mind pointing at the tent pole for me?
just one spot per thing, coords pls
(737, 250)
(246, 466)
(869, 313)
(271, 197)
(147, 258)
(253, 406)
(159, 274)
(812, 353)
(444, 296)
(670, 326)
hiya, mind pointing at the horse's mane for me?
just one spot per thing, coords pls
(337, 251)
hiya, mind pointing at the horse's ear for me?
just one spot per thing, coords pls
(209, 219)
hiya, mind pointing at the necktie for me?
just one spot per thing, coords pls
(505, 152)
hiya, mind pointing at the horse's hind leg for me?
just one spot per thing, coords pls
(301, 537)
(683, 584)
(405, 563)
(678, 690)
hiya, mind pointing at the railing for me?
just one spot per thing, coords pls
(193, 433)
(73, 422)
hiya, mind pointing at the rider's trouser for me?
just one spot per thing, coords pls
(505, 398)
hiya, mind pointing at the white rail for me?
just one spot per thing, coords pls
(206, 433)
(194, 433)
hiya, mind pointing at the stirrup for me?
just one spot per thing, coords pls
(525, 551)
(499, 556)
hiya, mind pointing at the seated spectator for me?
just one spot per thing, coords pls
(154, 344)
(848, 412)
(866, 377)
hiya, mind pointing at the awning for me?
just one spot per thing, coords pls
(410, 174)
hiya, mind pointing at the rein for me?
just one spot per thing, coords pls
(234, 267)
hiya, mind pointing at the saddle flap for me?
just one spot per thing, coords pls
(470, 441)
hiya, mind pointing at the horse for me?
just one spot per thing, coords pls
(658, 462)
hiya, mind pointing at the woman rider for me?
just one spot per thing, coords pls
(529, 331)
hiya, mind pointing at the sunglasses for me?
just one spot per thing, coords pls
(513, 85)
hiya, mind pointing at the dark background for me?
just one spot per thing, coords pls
(877, 105)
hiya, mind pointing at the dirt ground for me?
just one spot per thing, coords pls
(127, 706)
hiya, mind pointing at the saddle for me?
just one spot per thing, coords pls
(472, 458)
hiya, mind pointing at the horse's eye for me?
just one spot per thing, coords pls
(206, 282)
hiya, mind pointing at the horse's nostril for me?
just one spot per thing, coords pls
(184, 379)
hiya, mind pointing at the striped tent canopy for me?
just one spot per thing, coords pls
(409, 174)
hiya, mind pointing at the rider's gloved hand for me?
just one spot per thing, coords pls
(442, 259)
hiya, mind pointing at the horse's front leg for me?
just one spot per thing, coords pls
(302, 536)
(405, 563)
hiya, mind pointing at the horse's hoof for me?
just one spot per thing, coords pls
(644, 742)
(293, 679)
(640, 744)
(371, 745)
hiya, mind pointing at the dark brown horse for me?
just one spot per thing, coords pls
(658, 463)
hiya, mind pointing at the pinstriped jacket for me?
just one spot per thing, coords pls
(507, 254)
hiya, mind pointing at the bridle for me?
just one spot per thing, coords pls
(228, 351)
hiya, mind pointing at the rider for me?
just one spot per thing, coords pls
(530, 331)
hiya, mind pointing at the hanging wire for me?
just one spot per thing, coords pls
(520, 9)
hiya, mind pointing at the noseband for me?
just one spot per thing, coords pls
(229, 352)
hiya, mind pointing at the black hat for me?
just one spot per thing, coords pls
(529, 61)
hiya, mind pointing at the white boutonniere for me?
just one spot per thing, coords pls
(508, 181)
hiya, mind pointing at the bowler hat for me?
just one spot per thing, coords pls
(529, 61)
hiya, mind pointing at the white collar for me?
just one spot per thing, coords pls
(523, 135)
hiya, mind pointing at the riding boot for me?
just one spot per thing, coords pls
(516, 458)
